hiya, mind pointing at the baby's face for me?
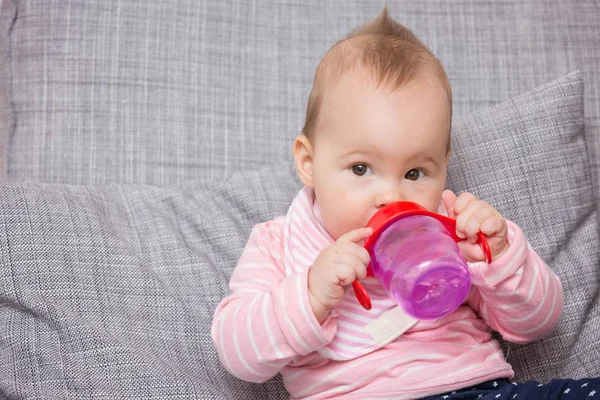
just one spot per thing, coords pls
(378, 146)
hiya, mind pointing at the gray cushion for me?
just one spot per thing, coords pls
(108, 292)
(528, 158)
(160, 92)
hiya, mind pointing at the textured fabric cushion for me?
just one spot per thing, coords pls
(527, 157)
(108, 292)
(6, 113)
(160, 92)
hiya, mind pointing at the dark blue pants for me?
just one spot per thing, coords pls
(502, 389)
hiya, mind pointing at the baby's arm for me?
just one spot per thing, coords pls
(267, 320)
(518, 295)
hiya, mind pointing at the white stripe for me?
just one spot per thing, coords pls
(302, 238)
(252, 281)
(268, 323)
(273, 241)
(357, 308)
(336, 354)
(258, 265)
(291, 377)
(412, 369)
(249, 290)
(237, 347)
(310, 238)
(467, 322)
(272, 238)
(380, 303)
(265, 251)
(466, 312)
(458, 334)
(512, 262)
(324, 351)
(300, 262)
(384, 367)
(485, 312)
(352, 327)
(503, 294)
(539, 307)
(308, 255)
(360, 318)
(253, 342)
(471, 346)
(287, 256)
(322, 239)
(537, 328)
(336, 373)
(307, 317)
(261, 249)
(292, 328)
(459, 372)
(223, 351)
(360, 342)
(392, 364)
(529, 295)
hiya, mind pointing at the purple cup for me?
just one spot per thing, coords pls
(419, 264)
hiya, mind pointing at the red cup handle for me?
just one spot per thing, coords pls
(483, 243)
(361, 295)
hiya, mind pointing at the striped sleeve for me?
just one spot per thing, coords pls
(518, 295)
(267, 319)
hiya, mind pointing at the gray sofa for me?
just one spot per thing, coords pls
(141, 140)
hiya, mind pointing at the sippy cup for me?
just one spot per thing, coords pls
(415, 257)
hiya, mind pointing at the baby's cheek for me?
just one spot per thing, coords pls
(334, 224)
(345, 222)
(434, 205)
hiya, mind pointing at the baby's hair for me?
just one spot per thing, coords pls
(389, 51)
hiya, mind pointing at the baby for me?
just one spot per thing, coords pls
(377, 131)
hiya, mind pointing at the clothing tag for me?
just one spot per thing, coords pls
(389, 325)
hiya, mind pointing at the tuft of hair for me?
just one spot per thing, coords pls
(389, 51)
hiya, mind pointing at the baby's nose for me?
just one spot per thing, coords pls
(388, 197)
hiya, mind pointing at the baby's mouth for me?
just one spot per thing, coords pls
(370, 217)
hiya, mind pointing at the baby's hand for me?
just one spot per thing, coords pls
(336, 267)
(473, 216)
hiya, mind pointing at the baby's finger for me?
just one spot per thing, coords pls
(360, 269)
(346, 274)
(345, 257)
(465, 218)
(449, 199)
(357, 251)
(494, 226)
(470, 251)
(356, 235)
(473, 225)
(462, 201)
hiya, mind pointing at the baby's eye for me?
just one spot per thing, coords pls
(415, 175)
(360, 169)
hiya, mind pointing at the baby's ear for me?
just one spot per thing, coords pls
(303, 158)
(448, 154)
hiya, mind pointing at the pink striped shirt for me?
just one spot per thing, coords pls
(266, 326)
